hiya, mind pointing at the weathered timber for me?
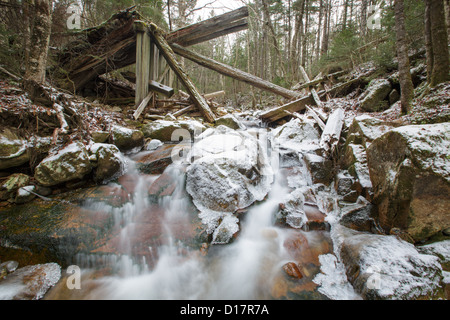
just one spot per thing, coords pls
(234, 73)
(332, 132)
(143, 62)
(234, 27)
(278, 113)
(312, 90)
(300, 86)
(160, 88)
(142, 106)
(98, 50)
(214, 95)
(316, 117)
(219, 25)
(169, 55)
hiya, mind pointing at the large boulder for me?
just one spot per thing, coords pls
(361, 133)
(385, 267)
(375, 96)
(299, 135)
(14, 150)
(69, 164)
(410, 172)
(163, 130)
(109, 162)
(127, 140)
(227, 173)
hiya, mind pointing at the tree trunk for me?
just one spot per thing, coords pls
(363, 25)
(428, 41)
(406, 85)
(439, 38)
(39, 41)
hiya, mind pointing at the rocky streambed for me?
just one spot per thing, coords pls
(196, 211)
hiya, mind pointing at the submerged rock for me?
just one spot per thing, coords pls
(227, 173)
(410, 172)
(71, 163)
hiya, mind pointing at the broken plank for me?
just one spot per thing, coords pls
(204, 28)
(142, 106)
(169, 55)
(313, 91)
(234, 73)
(160, 88)
(332, 132)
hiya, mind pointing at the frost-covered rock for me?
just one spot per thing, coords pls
(163, 130)
(375, 94)
(109, 162)
(127, 140)
(230, 121)
(292, 211)
(30, 283)
(25, 194)
(410, 171)
(71, 163)
(298, 135)
(14, 150)
(227, 172)
(440, 249)
(362, 132)
(385, 267)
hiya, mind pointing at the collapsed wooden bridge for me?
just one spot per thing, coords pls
(125, 39)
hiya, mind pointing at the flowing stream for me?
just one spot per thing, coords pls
(251, 267)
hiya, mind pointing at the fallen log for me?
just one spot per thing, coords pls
(234, 73)
(280, 112)
(169, 55)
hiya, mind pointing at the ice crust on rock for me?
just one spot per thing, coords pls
(227, 173)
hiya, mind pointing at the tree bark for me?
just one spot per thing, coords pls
(406, 85)
(39, 41)
(439, 39)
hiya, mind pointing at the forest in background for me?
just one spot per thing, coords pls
(320, 35)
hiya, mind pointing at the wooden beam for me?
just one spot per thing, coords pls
(142, 106)
(234, 27)
(278, 113)
(234, 73)
(169, 55)
(215, 25)
(160, 88)
(143, 62)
